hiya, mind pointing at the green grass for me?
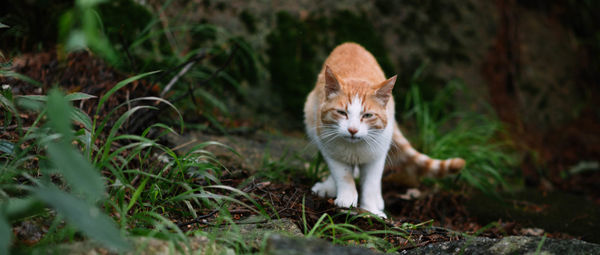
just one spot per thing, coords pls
(220, 64)
(442, 131)
(91, 181)
(292, 167)
(136, 184)
(347, 231)
(105, 184)
(143, 186)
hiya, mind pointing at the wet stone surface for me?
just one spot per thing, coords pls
(507, 245)
(279, 245)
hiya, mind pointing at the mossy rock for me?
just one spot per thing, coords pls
(507, 245)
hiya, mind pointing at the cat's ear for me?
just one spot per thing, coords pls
(332, 85)
(384, 90)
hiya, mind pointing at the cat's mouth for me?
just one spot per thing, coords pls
(352, 139)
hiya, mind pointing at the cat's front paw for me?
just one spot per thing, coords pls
(346, 199)
(379, 204)
(377, 212)
(324, 189)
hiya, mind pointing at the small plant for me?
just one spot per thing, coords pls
(442, 133)
(347, 232)
(143, 184)
(317, 169)
(51, 146)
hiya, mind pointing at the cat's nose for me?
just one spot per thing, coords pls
(352, 131)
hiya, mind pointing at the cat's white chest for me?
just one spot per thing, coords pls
(359, 152)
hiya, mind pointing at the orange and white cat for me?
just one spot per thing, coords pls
(350, 116)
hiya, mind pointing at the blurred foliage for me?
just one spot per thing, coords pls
(581, 17)
(133, 39)
(52, 165)
(51, 146)
(428, 29)
(123, 20)
(32, 25)
(439, 130)
(297, 49)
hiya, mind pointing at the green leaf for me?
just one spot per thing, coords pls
(119, 85)
(87, 218)
(77, 171)
(162, 100)
(117, 125)
(5, 235)
(7, 147)
(70, 97)
(88, 3)
(41, 98)
(8, 104)
(19, 76)
(3, 26)
(30, 103)
(19, 208)
(57, 108)
(81, 117)
(78, 96)
(212, 100)
(137, 194)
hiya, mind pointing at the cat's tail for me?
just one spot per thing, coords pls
(403, 159)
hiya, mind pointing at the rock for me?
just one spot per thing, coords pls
(255, 229)
(507, 245)
(257, 149)
(146, 246)
(277, 244)
(251, 231)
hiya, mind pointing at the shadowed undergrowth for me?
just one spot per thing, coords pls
(85, 177)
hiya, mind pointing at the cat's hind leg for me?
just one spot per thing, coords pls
(325, 188)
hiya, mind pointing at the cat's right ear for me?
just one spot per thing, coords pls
(332, 85)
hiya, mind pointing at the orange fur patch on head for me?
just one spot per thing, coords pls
(344, 96)
(350, 72)
(329, 116)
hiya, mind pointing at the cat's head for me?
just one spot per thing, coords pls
(355, 109)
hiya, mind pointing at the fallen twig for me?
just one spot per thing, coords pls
(213, 75)
(184, 70)
(198, 219)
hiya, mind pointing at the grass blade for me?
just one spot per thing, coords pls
(19, 208)
(19, 76)
(87, 218)
(5, 235)
(81, 117)
(137, 193)
(57, 106)
(118, 86)
(77, 171)
(78, 96)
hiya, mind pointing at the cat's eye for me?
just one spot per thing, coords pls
(343, 113)
(367, 115)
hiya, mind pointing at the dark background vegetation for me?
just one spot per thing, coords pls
(530, 66)
(534, 62)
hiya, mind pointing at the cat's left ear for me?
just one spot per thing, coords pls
(384, 90)
(332, 84)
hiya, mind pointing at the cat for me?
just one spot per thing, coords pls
(349, 115)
